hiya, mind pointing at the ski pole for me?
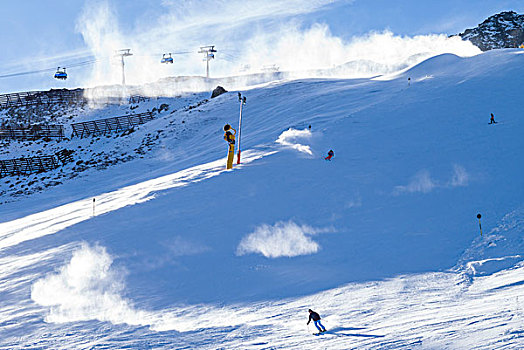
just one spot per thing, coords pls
(480, 226)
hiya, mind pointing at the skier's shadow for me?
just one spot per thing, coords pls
(340, 332)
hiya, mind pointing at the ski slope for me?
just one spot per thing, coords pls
(382, 241)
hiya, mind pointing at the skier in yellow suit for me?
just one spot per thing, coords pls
(230, 138)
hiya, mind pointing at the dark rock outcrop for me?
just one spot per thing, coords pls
(503, 30)
(219, 90)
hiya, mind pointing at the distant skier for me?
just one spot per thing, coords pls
(316, 320)
(492, 120)
(230, 138)
(330, 155)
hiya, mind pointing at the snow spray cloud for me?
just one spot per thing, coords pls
(423, 183)
(315, 52)
(87, 288)
(291, 137)
(279, 40)
(282, 239)
(460, 176)
(101, 34)
(177, 26)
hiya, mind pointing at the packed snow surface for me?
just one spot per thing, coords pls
(167, 249)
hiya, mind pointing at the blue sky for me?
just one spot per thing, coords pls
(44, 34)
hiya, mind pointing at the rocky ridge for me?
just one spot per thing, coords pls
(503, 30)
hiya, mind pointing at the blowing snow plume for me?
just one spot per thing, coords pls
(85, 289)
(315, 52)
(280, 41)
(282, 239)
(100, 31)
(291, 138)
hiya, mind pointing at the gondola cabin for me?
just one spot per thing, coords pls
(61, 74)
(165, 59)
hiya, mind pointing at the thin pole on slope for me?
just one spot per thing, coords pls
(93, 207)
(209, 51)
(242, 101)
(123, 53)
(480, 226)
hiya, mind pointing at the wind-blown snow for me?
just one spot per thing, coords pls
(291, 138)
(424, 183)
(281, 239)
(460, 176)
(299, 51)
(85, 289)
(421, 182)
(394, 314)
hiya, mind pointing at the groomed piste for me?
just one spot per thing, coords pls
(177, 252)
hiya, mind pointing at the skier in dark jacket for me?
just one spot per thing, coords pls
(492, 120)
(316, 320)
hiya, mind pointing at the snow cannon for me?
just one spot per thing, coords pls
(230, 138)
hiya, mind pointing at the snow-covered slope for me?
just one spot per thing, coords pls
(382, 241)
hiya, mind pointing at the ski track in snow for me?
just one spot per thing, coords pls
(428, 311)
(51, 221)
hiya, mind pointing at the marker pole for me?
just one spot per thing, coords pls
(480, 226)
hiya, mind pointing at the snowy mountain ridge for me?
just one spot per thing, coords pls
(503, 30)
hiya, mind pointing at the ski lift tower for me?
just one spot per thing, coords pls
(209, 51)
(123, 53)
